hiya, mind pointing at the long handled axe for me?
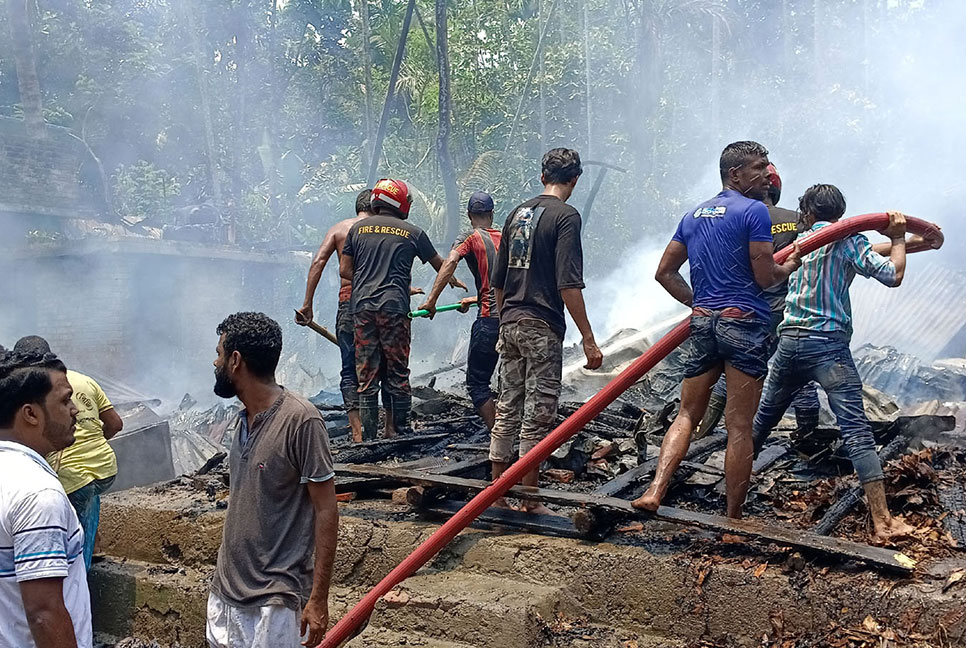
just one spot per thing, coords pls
(318, 328)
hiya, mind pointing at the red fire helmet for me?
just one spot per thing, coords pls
(393, 194)
(773, 177)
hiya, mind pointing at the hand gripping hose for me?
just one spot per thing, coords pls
(347, 626)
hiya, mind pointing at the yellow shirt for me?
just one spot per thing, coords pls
(90, 457)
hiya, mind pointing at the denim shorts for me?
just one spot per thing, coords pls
(728, 335)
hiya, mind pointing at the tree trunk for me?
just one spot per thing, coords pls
(537, 56)
(390, 93)
(367, 70)
(239, 139)
(26, 64)
(446, 169)
(715, 79)
(214, 180)
(541, 84)
(587, 103)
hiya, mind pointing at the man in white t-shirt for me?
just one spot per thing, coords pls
(44, 600)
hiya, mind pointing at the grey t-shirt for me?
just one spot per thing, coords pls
(266, 555)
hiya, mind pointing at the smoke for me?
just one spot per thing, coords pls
(863, 94)
(869, 98)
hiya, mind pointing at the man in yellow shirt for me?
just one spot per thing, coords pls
(88, 467)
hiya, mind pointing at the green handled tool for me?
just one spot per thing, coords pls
(439, 309)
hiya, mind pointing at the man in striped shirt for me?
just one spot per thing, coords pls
(44, 600)
(478, 246)
(815, 336)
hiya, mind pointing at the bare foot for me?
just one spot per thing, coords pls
(894, 530)
(537, 508)
(357, 436)
(649, 501)
(503, 504)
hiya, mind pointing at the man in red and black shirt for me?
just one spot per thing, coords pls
(479, 247)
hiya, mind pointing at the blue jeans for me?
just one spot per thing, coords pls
(86, 501)
(481, 359)
(805, 402)
(825, 358)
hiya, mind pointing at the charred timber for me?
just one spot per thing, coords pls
(844, 505)
(699, 450)
(803, 540)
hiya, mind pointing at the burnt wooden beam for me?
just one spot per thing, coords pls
(367, 451)
(369, 484)
(804, 540)
(768, 457)
(552, 525)
(953, 500)
(844, 505)
(623, 483)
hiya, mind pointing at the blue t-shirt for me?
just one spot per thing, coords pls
(717, 233)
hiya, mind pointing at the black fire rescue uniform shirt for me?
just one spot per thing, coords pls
(383, 249)
(784, 230)
(540, 255)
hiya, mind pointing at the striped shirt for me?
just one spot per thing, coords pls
(818, 292)
(40, 537)
(479, 248)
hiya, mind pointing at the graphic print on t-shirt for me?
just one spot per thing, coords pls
(711, 212)
(522, 227)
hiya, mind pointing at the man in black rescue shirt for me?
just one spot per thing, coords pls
(378, 258)
(539, 269)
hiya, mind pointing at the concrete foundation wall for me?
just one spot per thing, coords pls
(683, 595)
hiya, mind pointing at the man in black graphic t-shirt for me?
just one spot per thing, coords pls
(538, 270)
(378, 257)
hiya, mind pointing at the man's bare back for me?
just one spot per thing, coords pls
(333, 242)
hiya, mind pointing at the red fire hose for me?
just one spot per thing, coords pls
(347, 626)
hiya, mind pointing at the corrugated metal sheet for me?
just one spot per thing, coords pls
(920, 317)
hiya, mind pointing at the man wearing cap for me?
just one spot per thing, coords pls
(377, 258)
(784, 231)
(478, 246)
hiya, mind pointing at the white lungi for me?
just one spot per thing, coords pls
(272, 626)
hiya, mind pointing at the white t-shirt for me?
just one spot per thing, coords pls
(40, 537)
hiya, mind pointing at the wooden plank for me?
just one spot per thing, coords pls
(356, 484)
(379, 449)
(700, 449)
(768, 457)
(805, 540)
(552, 525)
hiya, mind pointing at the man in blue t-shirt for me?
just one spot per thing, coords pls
(728, 242)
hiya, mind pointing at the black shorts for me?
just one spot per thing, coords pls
(482, 358)
(730, 336)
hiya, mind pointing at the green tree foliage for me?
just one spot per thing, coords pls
(285, 134)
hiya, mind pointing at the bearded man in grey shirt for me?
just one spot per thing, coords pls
(264, 593)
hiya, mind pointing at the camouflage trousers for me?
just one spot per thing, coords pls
(532, 362)
(382, 352)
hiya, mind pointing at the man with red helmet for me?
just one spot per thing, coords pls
(377, 258)
(344, 327)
